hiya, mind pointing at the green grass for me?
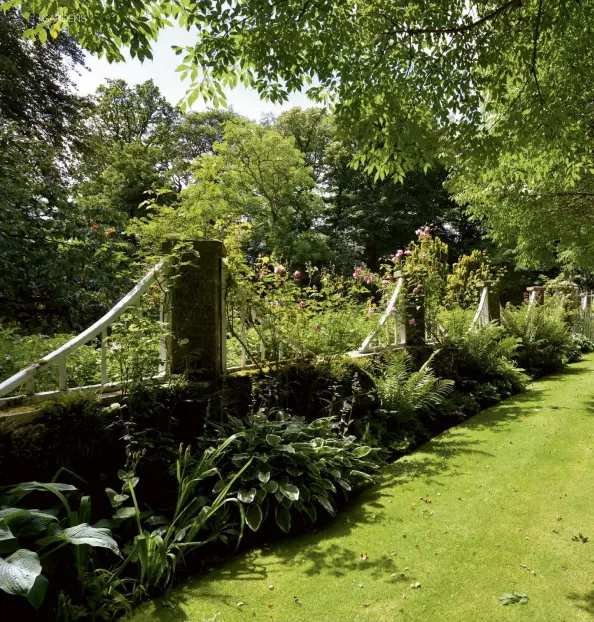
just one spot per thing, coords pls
(508, 489)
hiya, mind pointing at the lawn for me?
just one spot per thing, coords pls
(494, 505)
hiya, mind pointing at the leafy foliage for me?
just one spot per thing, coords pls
(294, 468)
(545, 343)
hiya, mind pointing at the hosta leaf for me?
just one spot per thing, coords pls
(311, 511)
(273, 439)
(294, 472)
(361, 452)
(24, 522)
(8, 542)
(320, 490)
(19, 572)
(304, 493)
(219, 486)
(323, 501)
(153, 521)
(208, 473)
(83, 534)
(360, 474)
(283, 518)
(344, 484)
(270, 486)
(247, 496)
(290, 491)
(287, 448)
(23, 489)
(264, 476)
(253, 516)
(326, 483)
(335, 473)
(260, 496)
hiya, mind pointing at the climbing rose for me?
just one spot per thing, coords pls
(394, 310)
(317, 328)
(385, 283)
(278, 269)
(369, 279)
(297, 274)
(399, 253)
(94, 226)
(371, 311)
(302, 304)
(412, 321)
(357, 273)
(408, 252)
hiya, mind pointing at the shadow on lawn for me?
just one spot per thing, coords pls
(431, 463)
(585, 602)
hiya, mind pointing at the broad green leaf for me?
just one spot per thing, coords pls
(253, 516)
(82, 534)
(24, 522)
(323, 501)
(125, 512)
(283, 518)
(311, 511)
(8, 542)
(19, 572)
(361, 452)
(264, 476)
(247, 496)
(273, 439)
(270, 487)
(115, 498)
(290, 491)
(344, 484)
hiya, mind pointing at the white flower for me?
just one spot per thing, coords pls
(184, 342)
(114, 406)
(115, 346)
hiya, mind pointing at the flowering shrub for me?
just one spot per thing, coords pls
(300, 314)
(468, 275)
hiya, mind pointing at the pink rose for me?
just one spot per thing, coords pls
(385, 283)
(412, 321)
(297, 274)
(357, 273)
(302, 304)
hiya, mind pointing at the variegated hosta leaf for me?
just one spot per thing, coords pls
(19, 572)
(23, 489)
(83, 534)
(23, 522)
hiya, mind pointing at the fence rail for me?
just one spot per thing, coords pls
(26, 377)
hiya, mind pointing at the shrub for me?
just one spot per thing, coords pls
(546, 344)
(481, 360)
(297, 468)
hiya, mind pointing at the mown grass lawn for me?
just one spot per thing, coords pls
(491, 506)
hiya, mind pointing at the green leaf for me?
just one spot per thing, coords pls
(28, 487)
(361, 452)
(19, 572)
(273, 439)
(8, 542)
(37, 593)
(125, 512)
(83, 534)
(287, 448)
(323, 501)
(270, 487)
(311, 511)
(264, 476)
(344, 484)
(290, 491)
(253, 516)
(24, 522)
(283, 518)
(115, 498)
(247, 496)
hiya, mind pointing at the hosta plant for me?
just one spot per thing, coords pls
(283, 466)
(28, 537)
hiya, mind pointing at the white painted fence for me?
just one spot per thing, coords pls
(59, 357)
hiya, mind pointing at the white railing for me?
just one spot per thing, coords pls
(481, 317)
(383, 333)
(59, 357)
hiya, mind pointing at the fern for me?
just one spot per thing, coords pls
(402, 391)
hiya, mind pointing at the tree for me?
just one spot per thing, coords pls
(254, 191)
(130, 136)
(481, 84)
(364, 218)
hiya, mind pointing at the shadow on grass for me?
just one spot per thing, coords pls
(585, 602)
(430, 463)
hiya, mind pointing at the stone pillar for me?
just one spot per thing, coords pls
(493, 302)
(197, 312)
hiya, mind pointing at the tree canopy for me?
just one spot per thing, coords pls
(493, 90)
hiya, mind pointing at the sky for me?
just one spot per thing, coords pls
(162, 71)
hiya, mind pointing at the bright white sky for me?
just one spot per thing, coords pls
(162, 71)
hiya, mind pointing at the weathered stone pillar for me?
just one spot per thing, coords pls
(197, 312)
(493, 302)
